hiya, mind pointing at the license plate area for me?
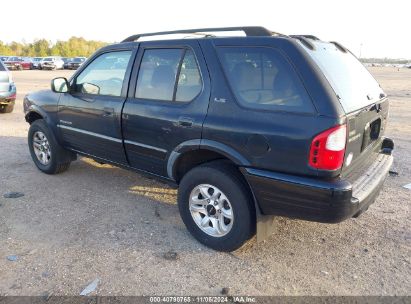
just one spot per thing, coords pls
(371, 133)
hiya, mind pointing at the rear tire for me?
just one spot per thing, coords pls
(47, 154)
(223, 222)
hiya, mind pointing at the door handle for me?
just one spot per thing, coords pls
(185, 122)
(108, 112)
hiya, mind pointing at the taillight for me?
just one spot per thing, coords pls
(328, 148)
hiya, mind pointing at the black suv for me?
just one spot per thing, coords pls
(266, 124)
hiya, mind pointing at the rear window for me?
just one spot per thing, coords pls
(351, 81)
(261, 78)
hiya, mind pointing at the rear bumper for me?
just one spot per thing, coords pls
(317, 200)
(6, 100)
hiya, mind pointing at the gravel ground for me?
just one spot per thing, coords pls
(100, 222)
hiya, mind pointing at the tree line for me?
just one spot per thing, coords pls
(75, 46)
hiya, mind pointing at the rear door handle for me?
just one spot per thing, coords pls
(185, 122)
(108, 112)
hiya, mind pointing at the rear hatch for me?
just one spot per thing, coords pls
(361, 98)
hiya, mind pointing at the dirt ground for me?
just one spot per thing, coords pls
(100, 222)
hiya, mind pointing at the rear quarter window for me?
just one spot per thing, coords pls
(261, 78)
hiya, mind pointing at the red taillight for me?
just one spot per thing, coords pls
(328, 148)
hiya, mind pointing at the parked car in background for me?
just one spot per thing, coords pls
(52, 63)
(4, 58)
(66, 62)
(19, 63)
(76, 62)
(36, 62)
(7, 90)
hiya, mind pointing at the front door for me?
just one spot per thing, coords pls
(167, 102)
(90, 114)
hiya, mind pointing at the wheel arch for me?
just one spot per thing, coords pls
(196, 152)
(34, 113)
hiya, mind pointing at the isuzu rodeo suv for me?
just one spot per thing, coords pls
(247, 126)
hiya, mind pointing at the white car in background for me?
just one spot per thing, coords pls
(7, 90)
(52, 63)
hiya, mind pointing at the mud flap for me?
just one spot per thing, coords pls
(265, 227)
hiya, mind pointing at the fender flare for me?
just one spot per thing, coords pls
(203, 144)
(38, 110)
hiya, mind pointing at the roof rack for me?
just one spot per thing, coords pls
(304, 40)
(310, 37)
(339, 46)
(248, 30)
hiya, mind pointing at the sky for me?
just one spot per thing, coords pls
(369, 28)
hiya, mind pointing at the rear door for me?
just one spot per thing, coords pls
(90, 114)
(167, 102)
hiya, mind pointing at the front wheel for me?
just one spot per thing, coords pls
(216, 206)
(46, 153)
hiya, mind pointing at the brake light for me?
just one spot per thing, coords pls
(328, 148)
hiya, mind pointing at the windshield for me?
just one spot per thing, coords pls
(48, 59)
(351, 81)
(78, 60)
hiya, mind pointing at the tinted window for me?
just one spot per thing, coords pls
(351, 81)
(157, 74)
(261, 78)
(105, 75)
(189, 80)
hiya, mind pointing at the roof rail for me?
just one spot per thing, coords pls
(339, 46)
(310, 37)
(304, 41)
(248, 30)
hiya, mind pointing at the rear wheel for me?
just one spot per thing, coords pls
(46, 153)
(216, 207)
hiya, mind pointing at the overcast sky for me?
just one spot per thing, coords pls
(376, 28)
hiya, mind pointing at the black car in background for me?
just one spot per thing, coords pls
(66, 61)
(75, 63)
(267, 124)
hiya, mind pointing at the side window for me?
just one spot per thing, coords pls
(189, 80)
(105, 75)
(165, 75)
(261, 78)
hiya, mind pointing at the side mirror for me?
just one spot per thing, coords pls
(60, 85)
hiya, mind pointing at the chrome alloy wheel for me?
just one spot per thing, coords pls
(211, 210)
(41, 147)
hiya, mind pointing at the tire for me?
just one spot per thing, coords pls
(7, 109)
(56, 159)
(235, 196)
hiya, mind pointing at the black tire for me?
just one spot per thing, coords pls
(7, 109)
(60, 158)
(230, 181)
